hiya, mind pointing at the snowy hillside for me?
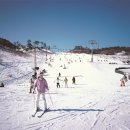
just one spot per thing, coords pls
(95, 102)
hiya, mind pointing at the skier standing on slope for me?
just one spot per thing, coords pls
(73, 80)
(32, 80)
(58, 82)
(66, 82)
(42, 87)
(59, 74)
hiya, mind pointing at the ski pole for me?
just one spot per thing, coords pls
(50, 98)
(34, 100)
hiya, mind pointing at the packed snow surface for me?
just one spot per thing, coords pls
(95, 102)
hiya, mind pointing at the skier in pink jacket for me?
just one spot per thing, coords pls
(42, 87)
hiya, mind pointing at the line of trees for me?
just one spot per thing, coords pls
(17, 46)
(29, 45)
(41, 45)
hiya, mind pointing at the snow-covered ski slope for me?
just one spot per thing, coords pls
(95, 102)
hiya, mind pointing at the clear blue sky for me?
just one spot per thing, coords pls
(66, 23)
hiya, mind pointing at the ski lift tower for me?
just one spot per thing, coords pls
(92, 42)
(35, 57)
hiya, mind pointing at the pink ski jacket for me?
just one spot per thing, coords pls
(41, 85)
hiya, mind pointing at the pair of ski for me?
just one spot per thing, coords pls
(44, 111)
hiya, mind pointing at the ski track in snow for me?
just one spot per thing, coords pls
(88, 105)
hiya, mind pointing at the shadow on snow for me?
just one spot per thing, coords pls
(70, 110)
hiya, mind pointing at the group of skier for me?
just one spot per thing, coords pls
(65, 81)
(39, 85)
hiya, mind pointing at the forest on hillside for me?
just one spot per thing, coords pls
(106, 51)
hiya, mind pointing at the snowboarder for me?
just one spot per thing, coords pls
(42, 86)
(66, 82)
(32, 80)
(73, 80)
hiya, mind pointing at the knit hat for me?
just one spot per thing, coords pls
(40, 74)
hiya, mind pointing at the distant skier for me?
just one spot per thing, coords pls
(32, 80)
(58, 82)
(73, 80)
(59, 74)
(66, 82)
(42, 87)
(44, 71)
(64, 67)
(123, 80)
(2, 84)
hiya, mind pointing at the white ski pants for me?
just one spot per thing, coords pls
(38, 98)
